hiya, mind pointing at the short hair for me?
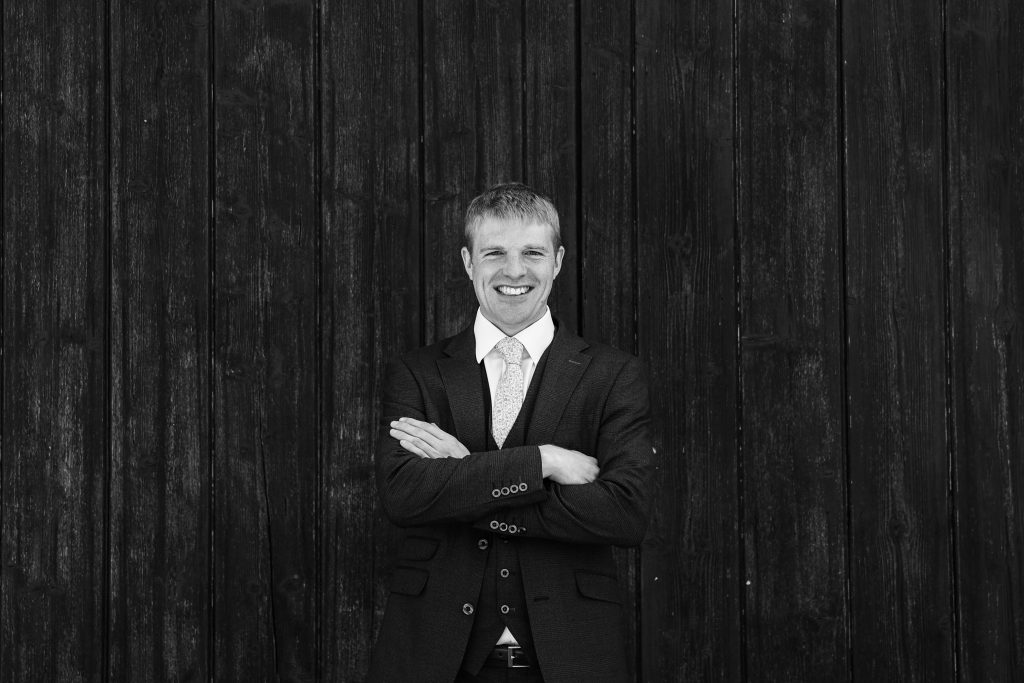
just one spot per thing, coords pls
(512, 201)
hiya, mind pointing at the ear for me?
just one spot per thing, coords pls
(467, 262)
(558, 260)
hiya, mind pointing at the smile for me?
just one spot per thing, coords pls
(513, 291)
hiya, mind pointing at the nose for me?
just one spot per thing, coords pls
(514, 266)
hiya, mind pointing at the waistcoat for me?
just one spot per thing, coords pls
(502, 599)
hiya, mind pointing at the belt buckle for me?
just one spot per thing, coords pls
(511, 657)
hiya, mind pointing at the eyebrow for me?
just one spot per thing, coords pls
(527, 246)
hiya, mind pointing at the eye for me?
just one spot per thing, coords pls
(492, 252)
(534, 253)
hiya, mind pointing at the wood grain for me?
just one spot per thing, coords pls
(266, 342)
(791, 317)
(160, 484)
(55, 357)
(371, 267)
(473, 138)
(985, 54)
(687, 337)
(550, 133)
(895, 312)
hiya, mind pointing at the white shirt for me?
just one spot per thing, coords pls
(535, 339)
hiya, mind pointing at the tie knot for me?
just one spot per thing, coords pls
(512, 350)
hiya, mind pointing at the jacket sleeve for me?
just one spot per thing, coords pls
(416, 491)
(614, 508)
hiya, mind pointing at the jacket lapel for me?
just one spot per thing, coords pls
(462, 384)
(565, 366)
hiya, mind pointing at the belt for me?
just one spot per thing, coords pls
(509, 657)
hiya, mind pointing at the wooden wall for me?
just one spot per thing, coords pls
(222, 217)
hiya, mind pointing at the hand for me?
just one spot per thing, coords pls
(426, 439)
(564, 466)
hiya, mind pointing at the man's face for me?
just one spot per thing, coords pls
(512, 267)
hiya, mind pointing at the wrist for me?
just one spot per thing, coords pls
(547, 461)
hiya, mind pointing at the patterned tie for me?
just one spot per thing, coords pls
(509, 397)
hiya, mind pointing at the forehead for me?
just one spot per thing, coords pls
(510, 233)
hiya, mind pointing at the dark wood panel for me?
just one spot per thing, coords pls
(550, 132)
(159, 336)
(52, 609)
(607, 239)
(895, 311)
(607, 234)
(791, 321)
(985, 54)
(371, 259)
(266, 342)
(473, 138)
(687, 337)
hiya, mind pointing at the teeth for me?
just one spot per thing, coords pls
(513, 291)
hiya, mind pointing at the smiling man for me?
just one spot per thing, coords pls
(515, 454)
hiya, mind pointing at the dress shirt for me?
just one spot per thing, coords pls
(535, 339)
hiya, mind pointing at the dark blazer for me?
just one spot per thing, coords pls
(592, 398)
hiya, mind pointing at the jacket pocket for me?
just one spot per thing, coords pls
(598, 587)
(417, 548)
(409, 580)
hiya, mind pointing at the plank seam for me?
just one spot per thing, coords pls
(844, 350)
(578, 140)
(318, 587)
(947, 294)
(634, 154)
(738, 311)
(211, 299)
(107, 339)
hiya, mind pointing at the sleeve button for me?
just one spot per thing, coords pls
(514, 488)
(523, 486)
(512, 528)
(505, 490)
(494, 524)
(503, 526)
(496, 492)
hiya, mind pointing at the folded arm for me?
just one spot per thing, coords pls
(613, 508)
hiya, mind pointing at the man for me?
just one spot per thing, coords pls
(515, 454)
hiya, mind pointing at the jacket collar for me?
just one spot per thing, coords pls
(460, 373)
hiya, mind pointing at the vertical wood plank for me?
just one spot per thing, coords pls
(266, 341)
(895, 311)
(794, 512)
(985, 54)
(159, 318)
(53, 572)
(687, 337)
(371, 259)
(607, 233)
(473, 138)
(550, 132)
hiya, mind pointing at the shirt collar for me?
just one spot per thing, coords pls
(536, 338)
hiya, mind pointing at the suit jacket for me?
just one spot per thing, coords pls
(592, 398)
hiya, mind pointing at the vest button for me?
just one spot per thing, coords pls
(504, 609)
(467, 609)
(482, 544)
(504, 573)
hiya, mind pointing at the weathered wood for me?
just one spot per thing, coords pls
(607, 243)
(607, 268)
(371, 284)
(791, 317)
(266, 342)
(687, 337)
(549, 100)
(985, 58)
(160, 480)
(55, 354)
(895, 311)
(473, 138)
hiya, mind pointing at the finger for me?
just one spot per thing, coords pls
(428, 427)
(414, 448)
(427, 449)
(414, 432)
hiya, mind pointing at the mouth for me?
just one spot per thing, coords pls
(508, 290)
